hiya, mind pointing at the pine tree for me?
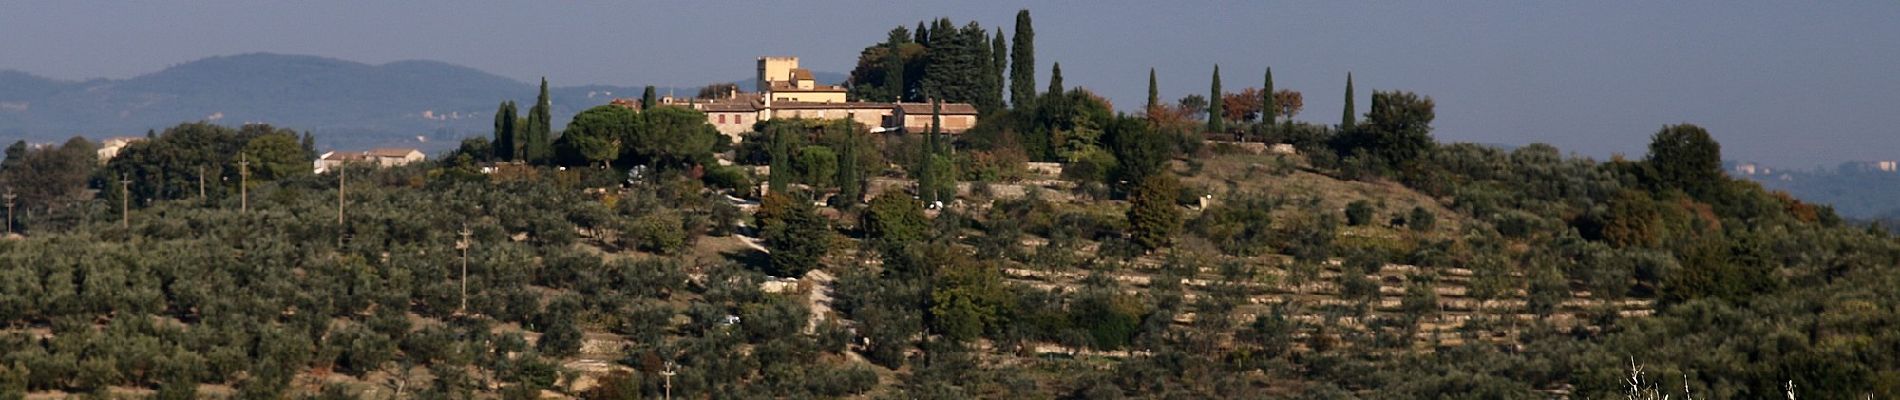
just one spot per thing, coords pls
(539, 148)
(1269, 112)
(1154, 94)
(1022, 68)
(1055, 79)
(507, 145)
(1348, 119)
(1215, 122)
(999, 62)
(648, 99)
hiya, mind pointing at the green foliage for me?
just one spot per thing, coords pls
(1111, 319)
(798, 237)
(275, 155)
(817, 166)
(508, 138)
(1022, 62)
(595, 135)
(1359, 213)
(48, 178)
(894, 217)
(1215, 123)
(1348, 118)
(1153, 217)
(673, 138)
(538, 145)
(1397, 131)
(1685, 157)
(967, 298)
(1421, 220)
(1139, 151)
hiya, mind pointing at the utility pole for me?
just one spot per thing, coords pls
(464, 245)
(201, 183)
(125, 202)
(339, 207)
(244, 183)
(9, 197)
(671, 369)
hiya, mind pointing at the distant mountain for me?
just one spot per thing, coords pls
(347, 104)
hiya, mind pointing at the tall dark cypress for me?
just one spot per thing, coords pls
(999, 62)
(1055, 79)
(1022, 62)
(778, 178)
(540, 147)
(1268, 110)
(894, 79)
(506, 144)
(1154, 93)
(1215, 123)
(849, 179)
(922, 34)
(981, 71)
(648, 99)
(1348, 118)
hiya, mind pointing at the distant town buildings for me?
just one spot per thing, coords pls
(787, 91)
(384, 157)
(110, 148)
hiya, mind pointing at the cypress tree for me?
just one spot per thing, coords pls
(850, 184)
(1268, 110)
(1215, 124)
(1154, 95)
(1022, 67)
(1055, 79)
(309, 146)
(506, 144)
(999, 62)
(1348, 119)
(779, 179)
(539, 148)
(894, 71)
(926, 174)
(648, 99)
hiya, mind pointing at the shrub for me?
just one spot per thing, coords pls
(1359, 213)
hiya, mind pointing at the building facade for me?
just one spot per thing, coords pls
(787, 91)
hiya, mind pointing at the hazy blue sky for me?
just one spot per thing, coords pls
(1789, 83)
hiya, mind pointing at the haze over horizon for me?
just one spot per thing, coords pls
(1788, 85)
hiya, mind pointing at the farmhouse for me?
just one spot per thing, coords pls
(786, 91)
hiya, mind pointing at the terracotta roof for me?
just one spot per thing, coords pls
(809, 105)
(789, 87)
(390, 152)
(801, 74)
(948, 108)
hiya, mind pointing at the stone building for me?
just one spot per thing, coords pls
(787, 91)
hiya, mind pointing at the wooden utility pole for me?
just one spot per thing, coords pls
(125, 202)
(464, 245)
(244, 183)
(9, 197)
(339, 207)
(670, 370)
(201, 183)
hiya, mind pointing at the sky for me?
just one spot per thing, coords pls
(1791, 84)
